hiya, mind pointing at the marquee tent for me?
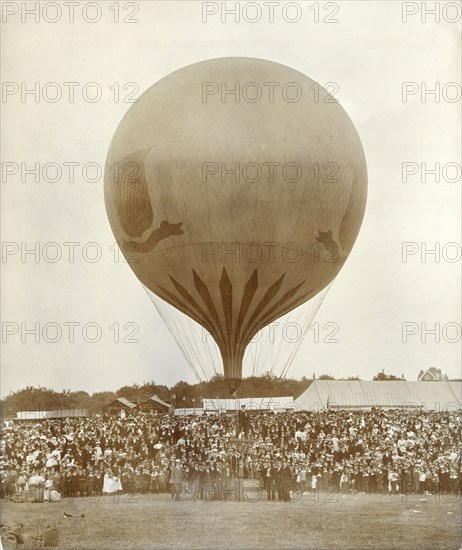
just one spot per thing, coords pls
(355, 394)
(250, 403)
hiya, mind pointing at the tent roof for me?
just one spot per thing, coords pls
(156, 399)
(439, 395)
(456, 388)
(125, 402)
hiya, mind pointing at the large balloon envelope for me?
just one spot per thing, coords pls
(235, 188)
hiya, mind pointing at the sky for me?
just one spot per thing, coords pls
(96, 328)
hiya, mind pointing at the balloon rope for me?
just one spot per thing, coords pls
(175, 330)
(191, 345)
(313, 309)
(174, 327)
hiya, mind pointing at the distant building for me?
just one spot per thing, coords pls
(120, 404)
(155, 404)
(52, 415)
(431, 375)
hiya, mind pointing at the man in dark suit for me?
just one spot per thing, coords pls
(194, 481)
(207, 483)
(217, 480)
(86, 456)
(243, 421)
(177, 475)
(286, 480)
(277, 472)
(269, 480)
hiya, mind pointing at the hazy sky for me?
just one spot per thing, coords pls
(368, 54)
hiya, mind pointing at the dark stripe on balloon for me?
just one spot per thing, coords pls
(204, 293)
(187, 296)
(247, 297)
(226, 293)
(274, 309)
(269, 295)
(288, 307)
(265, 321)
(174, 301)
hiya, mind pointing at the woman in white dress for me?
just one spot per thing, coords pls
(51, 461)
(111, 483)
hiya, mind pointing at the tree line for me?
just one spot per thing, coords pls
(182, 394)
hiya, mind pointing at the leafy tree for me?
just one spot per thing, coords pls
(42, 399)
(128, 391)
(382, 376)
(99, 401)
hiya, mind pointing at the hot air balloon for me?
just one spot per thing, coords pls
(236, 194)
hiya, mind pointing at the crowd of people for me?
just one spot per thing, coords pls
(212, 456)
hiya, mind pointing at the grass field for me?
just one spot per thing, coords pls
(378, 522)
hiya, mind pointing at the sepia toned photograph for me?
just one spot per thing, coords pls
(231, 275)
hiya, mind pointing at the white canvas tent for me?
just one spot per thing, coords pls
(51, 415)
(354, 394)
(250, 403)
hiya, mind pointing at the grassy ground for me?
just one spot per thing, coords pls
(378, 522)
